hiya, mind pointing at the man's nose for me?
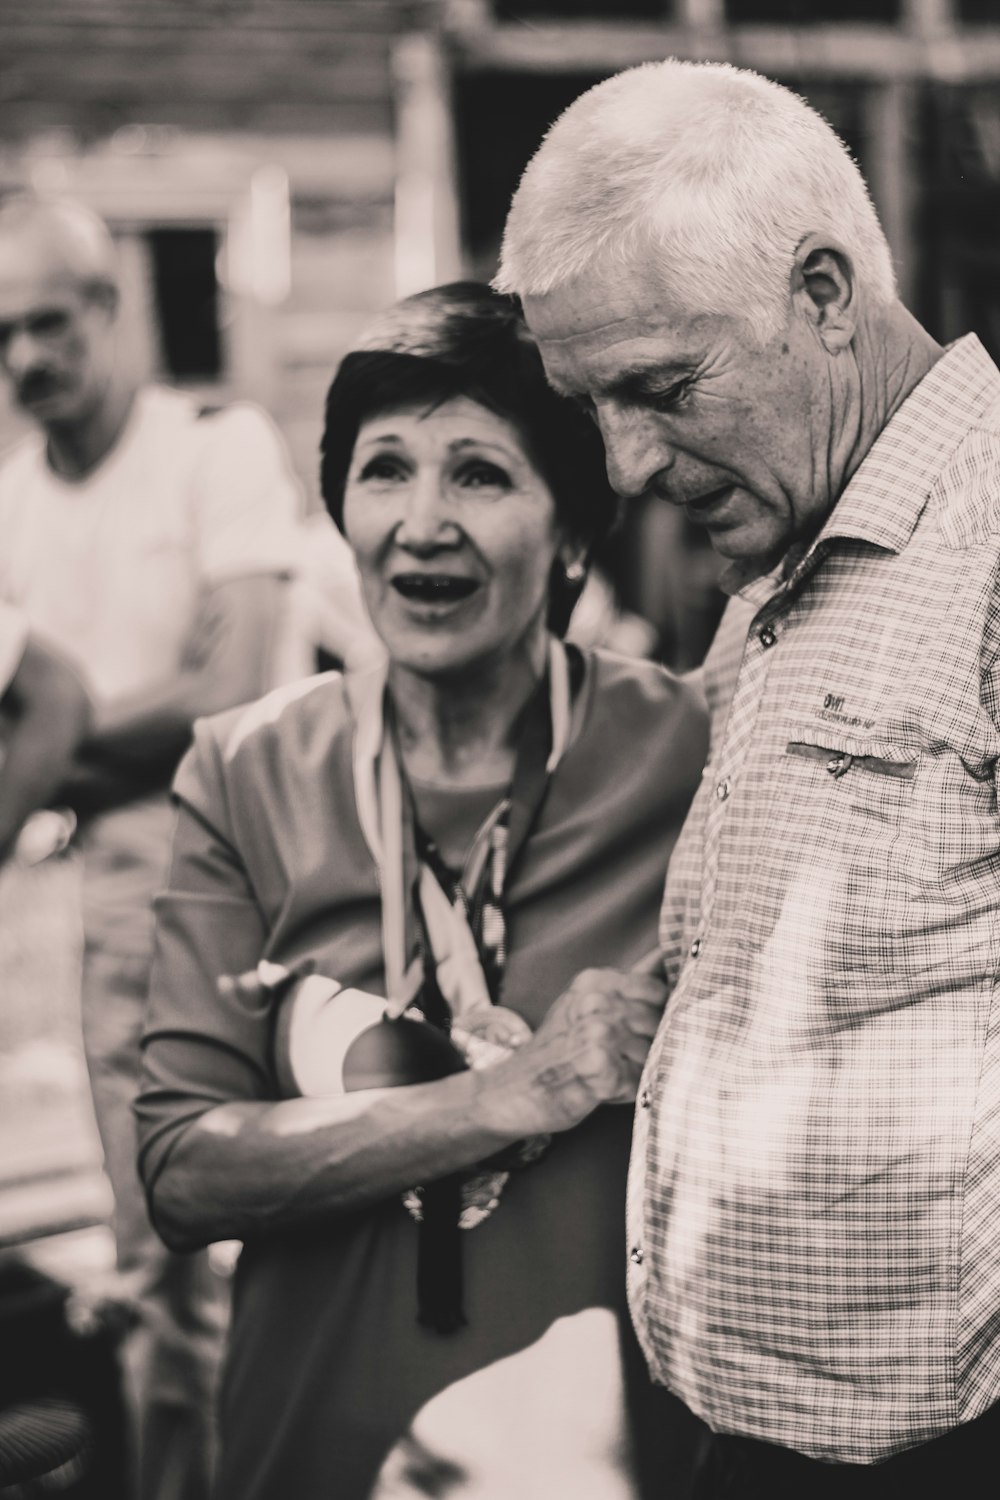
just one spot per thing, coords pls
(19, 352)
(635, 449)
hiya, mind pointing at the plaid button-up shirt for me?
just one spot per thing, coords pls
(814, 1198)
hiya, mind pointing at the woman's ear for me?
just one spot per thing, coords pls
(823, 290)
(572, 556)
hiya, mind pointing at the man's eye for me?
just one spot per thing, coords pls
(49, 324)
(671, 397)
(480, 475)
(383, 469)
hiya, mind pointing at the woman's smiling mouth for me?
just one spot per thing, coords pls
(434, 588)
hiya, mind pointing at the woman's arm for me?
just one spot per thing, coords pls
(247, 1168)
(223, 1159)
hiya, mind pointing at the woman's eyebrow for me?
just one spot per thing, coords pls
(468, 442)
(379, 438)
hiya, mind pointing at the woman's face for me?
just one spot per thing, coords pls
(454, 532)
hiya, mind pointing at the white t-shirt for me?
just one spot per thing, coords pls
(13, 635)
(111, 568)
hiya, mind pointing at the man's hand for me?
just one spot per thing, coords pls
(589, 1050)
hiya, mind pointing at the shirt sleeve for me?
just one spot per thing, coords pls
(247, 500)
(201, 1048)
(13, 638)
(990, 657)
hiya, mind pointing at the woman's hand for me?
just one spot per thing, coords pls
(252, 1167)
(589, 1050)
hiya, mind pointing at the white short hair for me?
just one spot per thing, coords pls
(714, 172)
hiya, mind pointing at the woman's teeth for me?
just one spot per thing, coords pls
(433, 588)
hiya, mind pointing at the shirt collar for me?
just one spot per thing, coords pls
(886, 496)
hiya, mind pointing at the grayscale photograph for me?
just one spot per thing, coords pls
(499, 745)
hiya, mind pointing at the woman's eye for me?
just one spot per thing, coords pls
(480, 475)
(383, 468)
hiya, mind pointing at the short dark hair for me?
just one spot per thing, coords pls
(467, 340)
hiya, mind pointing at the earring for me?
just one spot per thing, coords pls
(575, 571)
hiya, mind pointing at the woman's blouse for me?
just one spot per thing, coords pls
(332, 1388)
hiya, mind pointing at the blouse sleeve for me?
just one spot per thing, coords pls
(201, 1048)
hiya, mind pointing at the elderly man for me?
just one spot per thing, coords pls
(150, 541)
(814, 1262)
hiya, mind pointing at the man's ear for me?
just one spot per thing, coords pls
(105, 295)
(824, 292)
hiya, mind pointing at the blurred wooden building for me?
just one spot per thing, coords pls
(273, 170)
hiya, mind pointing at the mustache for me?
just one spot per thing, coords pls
(35, 385)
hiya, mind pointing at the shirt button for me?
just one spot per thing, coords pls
(723, 789)
(635, 1255)
(696, 947)
(645, 1099)
(767, 636)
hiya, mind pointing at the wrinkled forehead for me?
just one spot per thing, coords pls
(33, 274)
(595, 331)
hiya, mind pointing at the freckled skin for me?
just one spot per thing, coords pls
(713, 415)
(757, 442)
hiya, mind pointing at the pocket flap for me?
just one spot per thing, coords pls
(881, 758)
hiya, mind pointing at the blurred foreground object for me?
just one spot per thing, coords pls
(62, 1425)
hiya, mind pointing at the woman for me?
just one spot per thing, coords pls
(464, 829)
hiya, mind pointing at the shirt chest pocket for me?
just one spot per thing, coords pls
(873, 779)
(847, 790)
(836, 841)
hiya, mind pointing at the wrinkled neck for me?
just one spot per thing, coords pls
(463, 729)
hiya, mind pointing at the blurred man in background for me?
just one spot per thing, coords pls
(45, 713)
(151, 542)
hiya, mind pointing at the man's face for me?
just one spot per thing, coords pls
(693, 411)
(55, 340)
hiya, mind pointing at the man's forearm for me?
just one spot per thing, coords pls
(32, 770)
(226, 661)
(92, 787)
(51, 714)
(152, 726)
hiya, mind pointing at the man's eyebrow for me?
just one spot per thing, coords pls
(636, 381)
(643, 379)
